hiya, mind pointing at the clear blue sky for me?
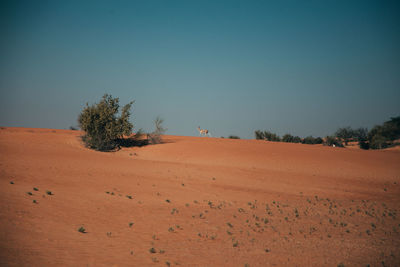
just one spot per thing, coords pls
(303, 67)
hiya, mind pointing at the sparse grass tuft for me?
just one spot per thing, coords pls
(152, 250)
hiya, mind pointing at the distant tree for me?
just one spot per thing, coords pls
(378, 141)
(266, 135)
(391, 129)
(332, 140)
(382, 136)
(296, 139)
(288, 138)
(345, 134)
(360, 134)
(234, 137)
(318, 140)
(271, 136)
(102, 127)
(259, 135)
(312, 141)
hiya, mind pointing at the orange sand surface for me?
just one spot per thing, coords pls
(196, 201)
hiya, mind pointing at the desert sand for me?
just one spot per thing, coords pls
(195, 201)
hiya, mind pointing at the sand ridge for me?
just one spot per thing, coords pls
(197, 201)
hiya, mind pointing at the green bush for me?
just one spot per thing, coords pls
(348, 134)
(234, 137)
(101, 125)
(382, 136)
(271, 136)
(312, 141)
(288, 138)
(259, 135)
(363, 144)
(331, 140)
(296, 139)
(344, 134)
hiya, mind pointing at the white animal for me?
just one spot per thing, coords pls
(203, 131)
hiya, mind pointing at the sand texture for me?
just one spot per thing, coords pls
(195, 201)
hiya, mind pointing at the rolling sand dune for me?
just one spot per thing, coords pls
(196, 202)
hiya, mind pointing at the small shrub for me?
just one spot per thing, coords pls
(35, 189)
(234, 137)
(82, 230)
(152, 250)
(49, 193)
(155, 136)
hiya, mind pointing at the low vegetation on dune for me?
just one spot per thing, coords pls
(380, 136)
(102, 127)
(106, 131)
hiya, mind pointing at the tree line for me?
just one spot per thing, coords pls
(379, 137)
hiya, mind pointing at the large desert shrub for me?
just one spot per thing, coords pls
(102, 127)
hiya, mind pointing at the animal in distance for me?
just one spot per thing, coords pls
(203, 131)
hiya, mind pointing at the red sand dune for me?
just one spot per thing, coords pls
(197, 202)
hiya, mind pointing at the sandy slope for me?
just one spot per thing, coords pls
(197, 202)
